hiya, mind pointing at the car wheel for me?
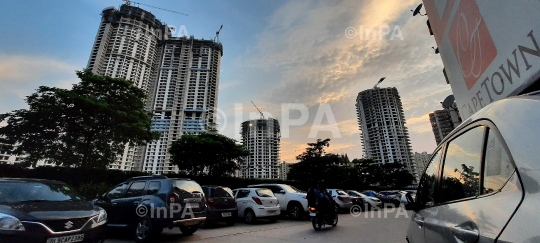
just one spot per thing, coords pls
(189, 230)
(335, 221)
(143, 230)
(296, 211)
(337, 208)
(249, 216)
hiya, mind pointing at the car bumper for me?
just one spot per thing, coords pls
(345, 205)
(266, 211)
(219, 214)
(38, 233)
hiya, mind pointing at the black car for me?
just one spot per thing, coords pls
(34, 210)
(386, 200)
(221, 204)
(147, 204)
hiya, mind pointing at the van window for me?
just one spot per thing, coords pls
(498, 167)
(426, 188)
(461, 170)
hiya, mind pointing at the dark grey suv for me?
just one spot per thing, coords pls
(148, 204)
(482, 184)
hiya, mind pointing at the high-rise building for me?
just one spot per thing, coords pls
(385, 138)
(261, 137)
(180, 74)
(443, 122)
(283, 170)
(421, 160)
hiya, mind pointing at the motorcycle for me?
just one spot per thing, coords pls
(319, 219)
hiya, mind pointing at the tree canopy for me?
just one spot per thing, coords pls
(210, 154)
(86, 126)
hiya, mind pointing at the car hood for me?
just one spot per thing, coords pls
(372, 198)
(37, 211)
(299, 194)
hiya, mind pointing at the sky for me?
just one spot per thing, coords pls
(278, 54)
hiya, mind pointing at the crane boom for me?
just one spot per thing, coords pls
(257, 109)
(380, 81)
(128, 2)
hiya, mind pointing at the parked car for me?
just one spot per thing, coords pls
(384, 199)
(372, 202)
(221, 205)
(392, 194)
(482, 181)
(254, 203)
(145, 205)
(293, 201)
(356, 198)
(33, 210)
(342, 199)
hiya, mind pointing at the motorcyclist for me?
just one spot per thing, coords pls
(321, 199)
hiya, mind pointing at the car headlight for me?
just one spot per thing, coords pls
(8, 222)
(101, 219)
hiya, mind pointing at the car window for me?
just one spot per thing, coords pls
(154, 186)
(136, 189)
(264, 193)
(234, 192)
(342, 193)
(220, 192)
(426, 188)
(498, 167)
(274, 189)
(117, 192)
(18, 192)
(242, 193)
(461, 170)
(185, 186)
(228, 190)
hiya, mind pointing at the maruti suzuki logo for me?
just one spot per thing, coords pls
(68, 225)
(472, 42)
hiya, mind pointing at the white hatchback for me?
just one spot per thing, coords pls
(256, 203)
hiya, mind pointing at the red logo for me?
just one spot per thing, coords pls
(472, 42)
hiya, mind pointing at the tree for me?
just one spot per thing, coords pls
(207, 154)
(86, 126)
(315, 164)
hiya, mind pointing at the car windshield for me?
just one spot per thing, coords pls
(221, 192)
(292, 189)
(21, 192)
(340, 192)
(264, 193)
(378, 194)
(187, 186)
(353, 193)
(229, 191)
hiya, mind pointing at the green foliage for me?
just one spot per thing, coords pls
(86, 126)
(207, 154)
(317, 165)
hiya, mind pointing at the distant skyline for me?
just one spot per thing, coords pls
(274, 52)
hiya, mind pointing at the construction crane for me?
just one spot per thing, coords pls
(129, 2)
(258, 109)
(380, 81)
(217, 35)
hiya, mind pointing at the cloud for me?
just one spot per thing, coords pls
(20, 76)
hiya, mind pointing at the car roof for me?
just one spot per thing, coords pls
(269, 184)
(142, 178)
(30, 180)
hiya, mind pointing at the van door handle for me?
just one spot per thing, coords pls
(467, 234)
(419, 220)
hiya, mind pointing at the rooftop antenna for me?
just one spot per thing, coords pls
(258, 109)
(417, 11)
(380, 81)
(128, 3)
(217, 35)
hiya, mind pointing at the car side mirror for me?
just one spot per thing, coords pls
(411, 204)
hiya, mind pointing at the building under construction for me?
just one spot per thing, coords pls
(180, 74)
(261, 137)
(385, 138)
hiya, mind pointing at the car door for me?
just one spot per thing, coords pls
(479, 189)
(242, 201)
(127, 206)
(109, 202)
(281, 195)
(425, 200)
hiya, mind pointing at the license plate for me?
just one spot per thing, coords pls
(227, 214)
(192, 205)
(67, 239)
(312, 214)
(272, 212)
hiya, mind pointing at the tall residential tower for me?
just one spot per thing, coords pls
(385, 138)
(261, 137)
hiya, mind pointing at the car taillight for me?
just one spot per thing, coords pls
(340, 198)
(210, 202)
(312, 209)
(257, 200)
(171, 199)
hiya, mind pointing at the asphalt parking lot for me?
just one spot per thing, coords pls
(373, 227)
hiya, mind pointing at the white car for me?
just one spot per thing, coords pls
(256, 203)
(292, 200)
(372, 202)
(342, 199)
